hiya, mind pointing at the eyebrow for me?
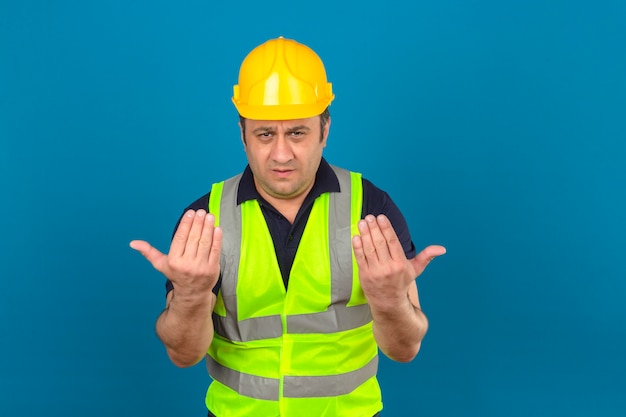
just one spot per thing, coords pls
(264, 129)
(296, 128)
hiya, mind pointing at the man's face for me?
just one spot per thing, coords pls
(284, 155)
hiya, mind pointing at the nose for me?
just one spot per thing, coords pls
(281, 150)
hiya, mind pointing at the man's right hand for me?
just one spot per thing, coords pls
(193, 263)
(193, 266)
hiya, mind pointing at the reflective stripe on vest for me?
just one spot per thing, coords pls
(295, 386)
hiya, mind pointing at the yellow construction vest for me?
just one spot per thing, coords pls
(305, 352)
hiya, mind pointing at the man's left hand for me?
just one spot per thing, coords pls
(384, 271)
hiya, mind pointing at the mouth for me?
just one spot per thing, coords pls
(282, 173)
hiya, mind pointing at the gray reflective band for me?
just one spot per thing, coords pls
(246, 330)
(245, 384)
(339, 317)
(329, 385)
(340, 238)
(230, 222)
(294, 386)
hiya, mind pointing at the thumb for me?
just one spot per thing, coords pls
(422, 259)
(152, 254)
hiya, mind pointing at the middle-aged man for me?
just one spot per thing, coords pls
(290, 276)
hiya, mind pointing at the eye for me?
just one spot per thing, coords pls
(264, 136)
(297, 133)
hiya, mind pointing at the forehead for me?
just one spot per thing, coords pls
(310, 122)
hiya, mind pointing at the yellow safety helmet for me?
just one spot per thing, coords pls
(282, 79)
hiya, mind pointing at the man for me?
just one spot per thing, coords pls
(289, 277)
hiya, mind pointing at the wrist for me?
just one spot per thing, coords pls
(187, 298)
(391, 307)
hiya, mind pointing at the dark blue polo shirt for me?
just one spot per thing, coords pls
(286, 236)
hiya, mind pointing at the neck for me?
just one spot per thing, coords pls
(288, 206)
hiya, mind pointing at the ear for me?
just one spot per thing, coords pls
(242, 133)
(325, 132)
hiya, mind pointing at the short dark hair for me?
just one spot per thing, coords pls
(324, 118)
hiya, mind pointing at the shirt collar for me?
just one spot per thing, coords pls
(325, 181)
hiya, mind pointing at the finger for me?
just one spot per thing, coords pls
(177, 248)
(378, 239)
(152, 254)
(393, 243)
(206, 237)
(359, 255)
(422, 259)
(191, 247)
(216, 247)
(369, 250)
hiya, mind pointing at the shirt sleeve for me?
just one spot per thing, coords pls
(201, 203)
(377, 201)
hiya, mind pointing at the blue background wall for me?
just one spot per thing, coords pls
(498, 128)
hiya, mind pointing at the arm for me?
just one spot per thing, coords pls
(388, 281)
(193, 266)
(185, 327)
